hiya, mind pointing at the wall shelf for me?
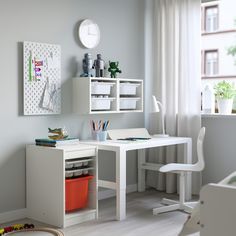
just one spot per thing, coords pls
(93, 95)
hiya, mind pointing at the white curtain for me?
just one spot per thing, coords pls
(175, 80)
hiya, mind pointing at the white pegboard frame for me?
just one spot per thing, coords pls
(33, 90)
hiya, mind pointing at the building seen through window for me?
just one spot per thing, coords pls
(218, 39)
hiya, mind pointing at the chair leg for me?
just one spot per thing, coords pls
(191, 204)
(188, 209)
(163, 209)
(176, 205)
(166, 201)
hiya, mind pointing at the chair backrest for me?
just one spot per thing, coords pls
(199, 166)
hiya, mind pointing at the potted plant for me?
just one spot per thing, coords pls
(225, 93)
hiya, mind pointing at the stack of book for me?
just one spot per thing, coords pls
(56, 143)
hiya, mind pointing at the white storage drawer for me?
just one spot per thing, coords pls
(128, 88)
(128, 103)
(101, 88)
(69, 165)
(80, 153)
(101, 103)
(76, 163)
(77, 172)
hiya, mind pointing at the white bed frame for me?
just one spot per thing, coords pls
(218, 209)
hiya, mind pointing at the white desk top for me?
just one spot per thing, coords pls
(134, 145)
(114, 145)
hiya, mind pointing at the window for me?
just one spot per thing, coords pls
(211, 18)
(211, 62)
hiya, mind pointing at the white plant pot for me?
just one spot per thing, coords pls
(225, 106)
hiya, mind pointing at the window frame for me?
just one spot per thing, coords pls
(204, 54)
(204, 25)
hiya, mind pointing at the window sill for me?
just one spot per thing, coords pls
(218, 32)
(217, 115)
(218, 77)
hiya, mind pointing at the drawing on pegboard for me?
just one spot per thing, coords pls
(49, 97)
(42, 78)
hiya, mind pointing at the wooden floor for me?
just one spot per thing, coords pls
(139, 221)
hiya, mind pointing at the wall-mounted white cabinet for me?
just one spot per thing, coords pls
(92, 95)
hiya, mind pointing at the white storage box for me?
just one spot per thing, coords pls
(69, 174)
(101, 103)
(68, 165)
(85, 163)
(128, 88)
(128, 103)
(78, 164)
(78, 172)
(101, 87)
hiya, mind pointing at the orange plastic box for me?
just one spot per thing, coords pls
(77, 193)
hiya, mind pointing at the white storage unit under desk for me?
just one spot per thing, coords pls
(45, 176)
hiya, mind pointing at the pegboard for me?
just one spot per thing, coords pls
(42, 78)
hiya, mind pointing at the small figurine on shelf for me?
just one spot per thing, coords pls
(113, 68)
(58, 133)
(87, 65)
(99, 66)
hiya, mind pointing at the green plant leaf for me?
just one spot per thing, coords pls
(224, 90)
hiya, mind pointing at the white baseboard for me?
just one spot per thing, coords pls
(13, 215)
(111, 193)
(22, 213)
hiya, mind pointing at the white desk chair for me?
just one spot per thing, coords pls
(182, 169)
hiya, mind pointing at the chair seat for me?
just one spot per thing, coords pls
(177, 167)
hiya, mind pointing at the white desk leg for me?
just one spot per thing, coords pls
(141, 172)
(188, 160)
(120, 184)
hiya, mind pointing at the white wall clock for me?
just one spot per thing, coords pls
(89, 33)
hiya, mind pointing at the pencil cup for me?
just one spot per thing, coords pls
(95, 135)
(102, 135)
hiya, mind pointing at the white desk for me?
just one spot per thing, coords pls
(120, 148)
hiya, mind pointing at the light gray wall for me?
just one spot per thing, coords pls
(122, 31)
(219, 147)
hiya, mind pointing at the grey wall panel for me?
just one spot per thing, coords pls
(122, 32)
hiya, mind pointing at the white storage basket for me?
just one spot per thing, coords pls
(78, 164)
(101, 88)
(128, 103)
(68, 165)
(101, 103)
(69, 174)
(128, 88)
(78, 172)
